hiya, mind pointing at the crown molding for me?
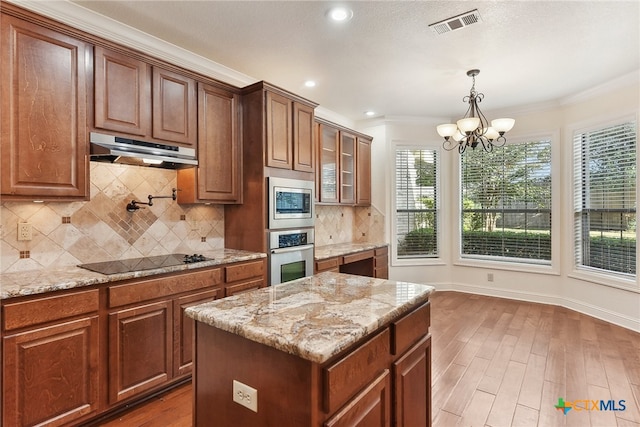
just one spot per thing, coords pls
(99, 25)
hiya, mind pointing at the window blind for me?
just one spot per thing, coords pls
(416, 203)
(605, 198)
(506, 203)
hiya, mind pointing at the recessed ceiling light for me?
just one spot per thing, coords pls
(310, 83)
(340, 14)
(370, 113)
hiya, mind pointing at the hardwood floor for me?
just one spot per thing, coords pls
(498, 362)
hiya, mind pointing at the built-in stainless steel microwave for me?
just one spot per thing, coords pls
(290, 203)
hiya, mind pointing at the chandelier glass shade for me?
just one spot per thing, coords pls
(473, 129)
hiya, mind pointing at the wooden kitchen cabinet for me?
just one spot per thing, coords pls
(328, 159)
(174, 107)
(367, 262)
(122, 93)
(381, 263)
(44, 145)
(289, 133)
(149, 339)
(183, 329)
(412, 385)
(140, 349)
(50, 358)
(363, 180)
(245, 276)
(344, 165)
(370, 408)
(142, 101)
(218, 177)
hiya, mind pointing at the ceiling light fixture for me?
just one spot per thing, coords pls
(370, 113)
(473, 128)
(310, 83)
(340, 14)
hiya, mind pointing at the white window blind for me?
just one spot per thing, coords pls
(605, 198)
(506, 203)
(416, 203)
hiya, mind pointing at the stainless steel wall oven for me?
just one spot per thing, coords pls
(290, 255)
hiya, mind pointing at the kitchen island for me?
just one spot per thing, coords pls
(328, 350)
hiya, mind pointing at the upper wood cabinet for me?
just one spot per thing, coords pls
(144, 101)
(289, 129)
(218, 177)
(344, 165)
(122, 93)
(43, 147)
(174, 107)
(363, 183)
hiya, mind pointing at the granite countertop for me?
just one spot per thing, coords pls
(48, 280)
(339, 249)
(315, 317)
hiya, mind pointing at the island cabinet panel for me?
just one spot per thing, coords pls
(44, 146)
(122, 88)
(370, 408)
(140, 349)
(50, 374)
(218, 177)
(412, 385)
(410, 328)
(183, 329)
(175, 107)
(344, 378)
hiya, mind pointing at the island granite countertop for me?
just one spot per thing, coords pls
(48, 280)
(315, 317)
(340, 249)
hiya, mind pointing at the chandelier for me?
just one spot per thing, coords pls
(473, 128)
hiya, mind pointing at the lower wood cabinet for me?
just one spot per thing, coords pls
(70, 356)
(412, 394)
(370, 262)
(370, 408)
(50, 357)
(183, 329)
(140, 349)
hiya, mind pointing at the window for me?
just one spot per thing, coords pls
(605, 198)
(416, 203)
(506, 203)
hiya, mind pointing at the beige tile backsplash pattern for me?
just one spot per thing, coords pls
(345, 224)
(103, 229)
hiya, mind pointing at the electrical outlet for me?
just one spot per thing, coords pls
(24, 231)
(489, 277)
(245, 395)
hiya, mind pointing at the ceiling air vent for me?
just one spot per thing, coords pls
(456, 22)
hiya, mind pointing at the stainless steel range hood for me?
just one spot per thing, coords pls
(115, 149)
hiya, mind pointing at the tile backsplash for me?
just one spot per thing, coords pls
(345, 224)
(70, 233)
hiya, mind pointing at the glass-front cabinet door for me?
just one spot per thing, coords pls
(347, 167)
(328, 171)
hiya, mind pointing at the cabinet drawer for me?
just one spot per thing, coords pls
(410, 328)
(243, 287)
(327, 264)
(381, 252)
(158, 288)
(380, 261)
(244, 271)
(357, 256)
(21, 314)
(344, 378)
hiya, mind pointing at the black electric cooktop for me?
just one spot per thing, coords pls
(146, 263)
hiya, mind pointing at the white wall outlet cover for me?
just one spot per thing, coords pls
(245, 395)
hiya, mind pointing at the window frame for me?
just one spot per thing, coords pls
(514, 264)
(417, 260)
(587, 273)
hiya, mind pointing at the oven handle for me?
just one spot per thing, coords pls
(291, 249)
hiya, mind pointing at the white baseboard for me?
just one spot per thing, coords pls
(572, 304)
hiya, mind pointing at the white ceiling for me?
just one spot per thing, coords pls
(388, 60)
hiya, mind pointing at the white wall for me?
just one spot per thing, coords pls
(617, 301)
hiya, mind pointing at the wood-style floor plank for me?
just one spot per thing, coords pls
(498, 362)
